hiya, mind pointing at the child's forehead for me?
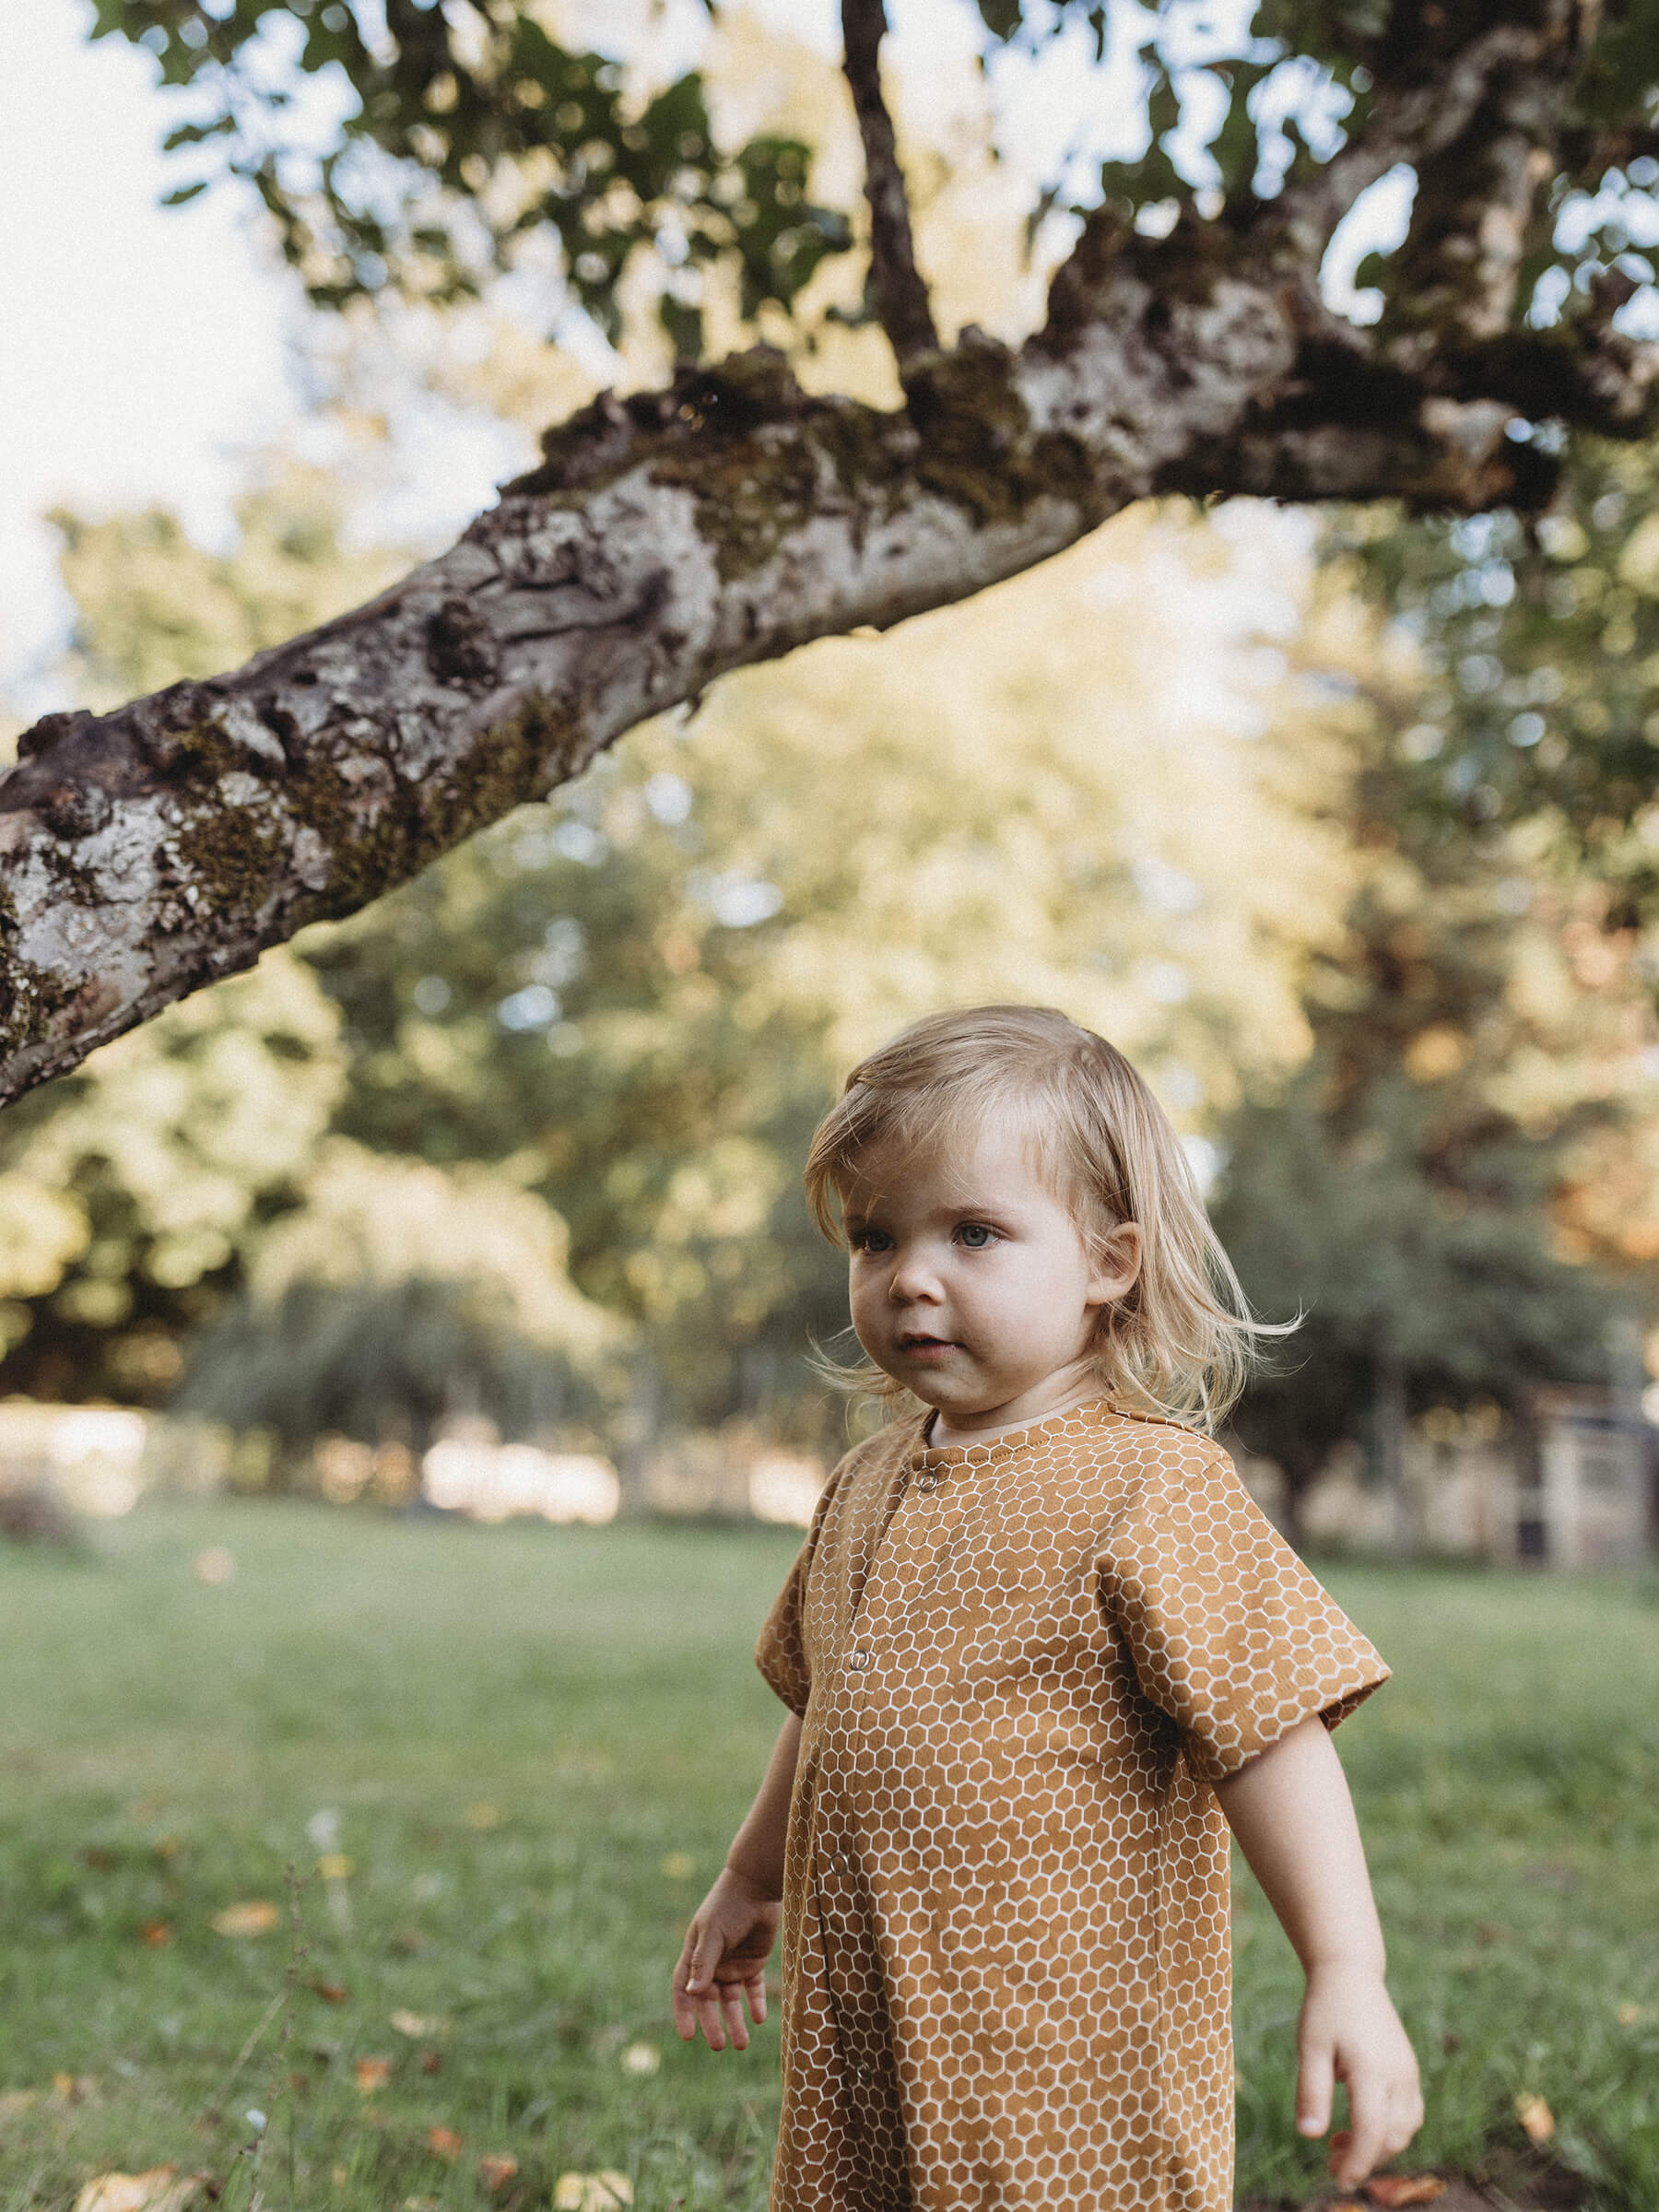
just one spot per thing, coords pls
(974, 1154)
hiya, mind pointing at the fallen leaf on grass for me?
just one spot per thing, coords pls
(1632, 2015)
(414, 2025)
(336, 1866)
(1391, 2189)
(496, 2169)
(642, 2058)
(371, 2074)
(73, 2089)
(257, 1916)
(156, 1934)
(1536, 2120)
(215, 1566)
(13, 2101)
(431, 2062)
(331, 1993)
(444, 2141)
(161, 2189)
(591, 2192)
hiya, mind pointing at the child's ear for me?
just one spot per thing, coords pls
(1116, 1264)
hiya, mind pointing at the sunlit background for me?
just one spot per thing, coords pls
(491, 1197)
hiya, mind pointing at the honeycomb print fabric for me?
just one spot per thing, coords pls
(1021, 1664)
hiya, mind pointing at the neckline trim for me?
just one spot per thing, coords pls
(921, 1453)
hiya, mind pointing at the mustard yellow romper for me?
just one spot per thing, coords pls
(1020, 1667)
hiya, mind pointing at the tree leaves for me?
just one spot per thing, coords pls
(468, 131)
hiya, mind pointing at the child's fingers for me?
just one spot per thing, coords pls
(1315, 2084)
(695, 1998)
(737, 2026)
(1385, 2120)
(679, 1995)
(756, 1987)
(1376, 2136)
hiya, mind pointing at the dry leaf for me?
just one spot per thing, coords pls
(496, 2169)
(642, 2058)
(258, 1916)
(161, 2189)
(331, 1993)
(414, 2025)
(444, 2141)
(1391, 2189)
(215, 1566)
(13, 2101)
(431, 2062)
(371, 2074)
(336, 1866)
(74, 2088)
(1535, 2117)
(157, 1934)
(599, 2192)
(1632, 2015)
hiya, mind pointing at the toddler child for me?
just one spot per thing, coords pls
(1040, 1651)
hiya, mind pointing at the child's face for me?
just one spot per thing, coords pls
(971, 1284)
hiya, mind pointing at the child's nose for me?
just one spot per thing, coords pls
(912, 1276)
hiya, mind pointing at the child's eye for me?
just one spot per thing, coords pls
(869, 1240)
(976, 1236)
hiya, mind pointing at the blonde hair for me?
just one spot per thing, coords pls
(1181, 1340)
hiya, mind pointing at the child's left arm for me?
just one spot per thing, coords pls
(1291, 1810)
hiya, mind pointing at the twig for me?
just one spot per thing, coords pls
(901, 296)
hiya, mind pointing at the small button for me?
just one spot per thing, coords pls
(859, 1656)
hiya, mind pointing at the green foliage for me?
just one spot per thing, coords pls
(459, 137)
(377, 1360)
(133, 1191)
(465, 131)
(595, 1691)
(1542, 646)
(1449, 1188)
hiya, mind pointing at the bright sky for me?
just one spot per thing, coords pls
(150, 353)
(144, 356)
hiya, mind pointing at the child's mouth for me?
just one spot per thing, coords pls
(925, 1344)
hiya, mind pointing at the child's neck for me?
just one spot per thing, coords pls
(938, 1434)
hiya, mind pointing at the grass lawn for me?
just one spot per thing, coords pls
(537, 1743)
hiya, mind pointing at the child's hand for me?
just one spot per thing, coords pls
(724, 1960)
(1350, 2032)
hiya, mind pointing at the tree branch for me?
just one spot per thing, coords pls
(672, 536)
(901, 296)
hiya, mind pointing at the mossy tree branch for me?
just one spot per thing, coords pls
(672, 537)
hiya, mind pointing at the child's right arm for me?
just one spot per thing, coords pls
(723, 1958)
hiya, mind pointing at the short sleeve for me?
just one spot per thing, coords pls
(780, 1650)
(1228, 1633)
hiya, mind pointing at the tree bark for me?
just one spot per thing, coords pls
(672, 537)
